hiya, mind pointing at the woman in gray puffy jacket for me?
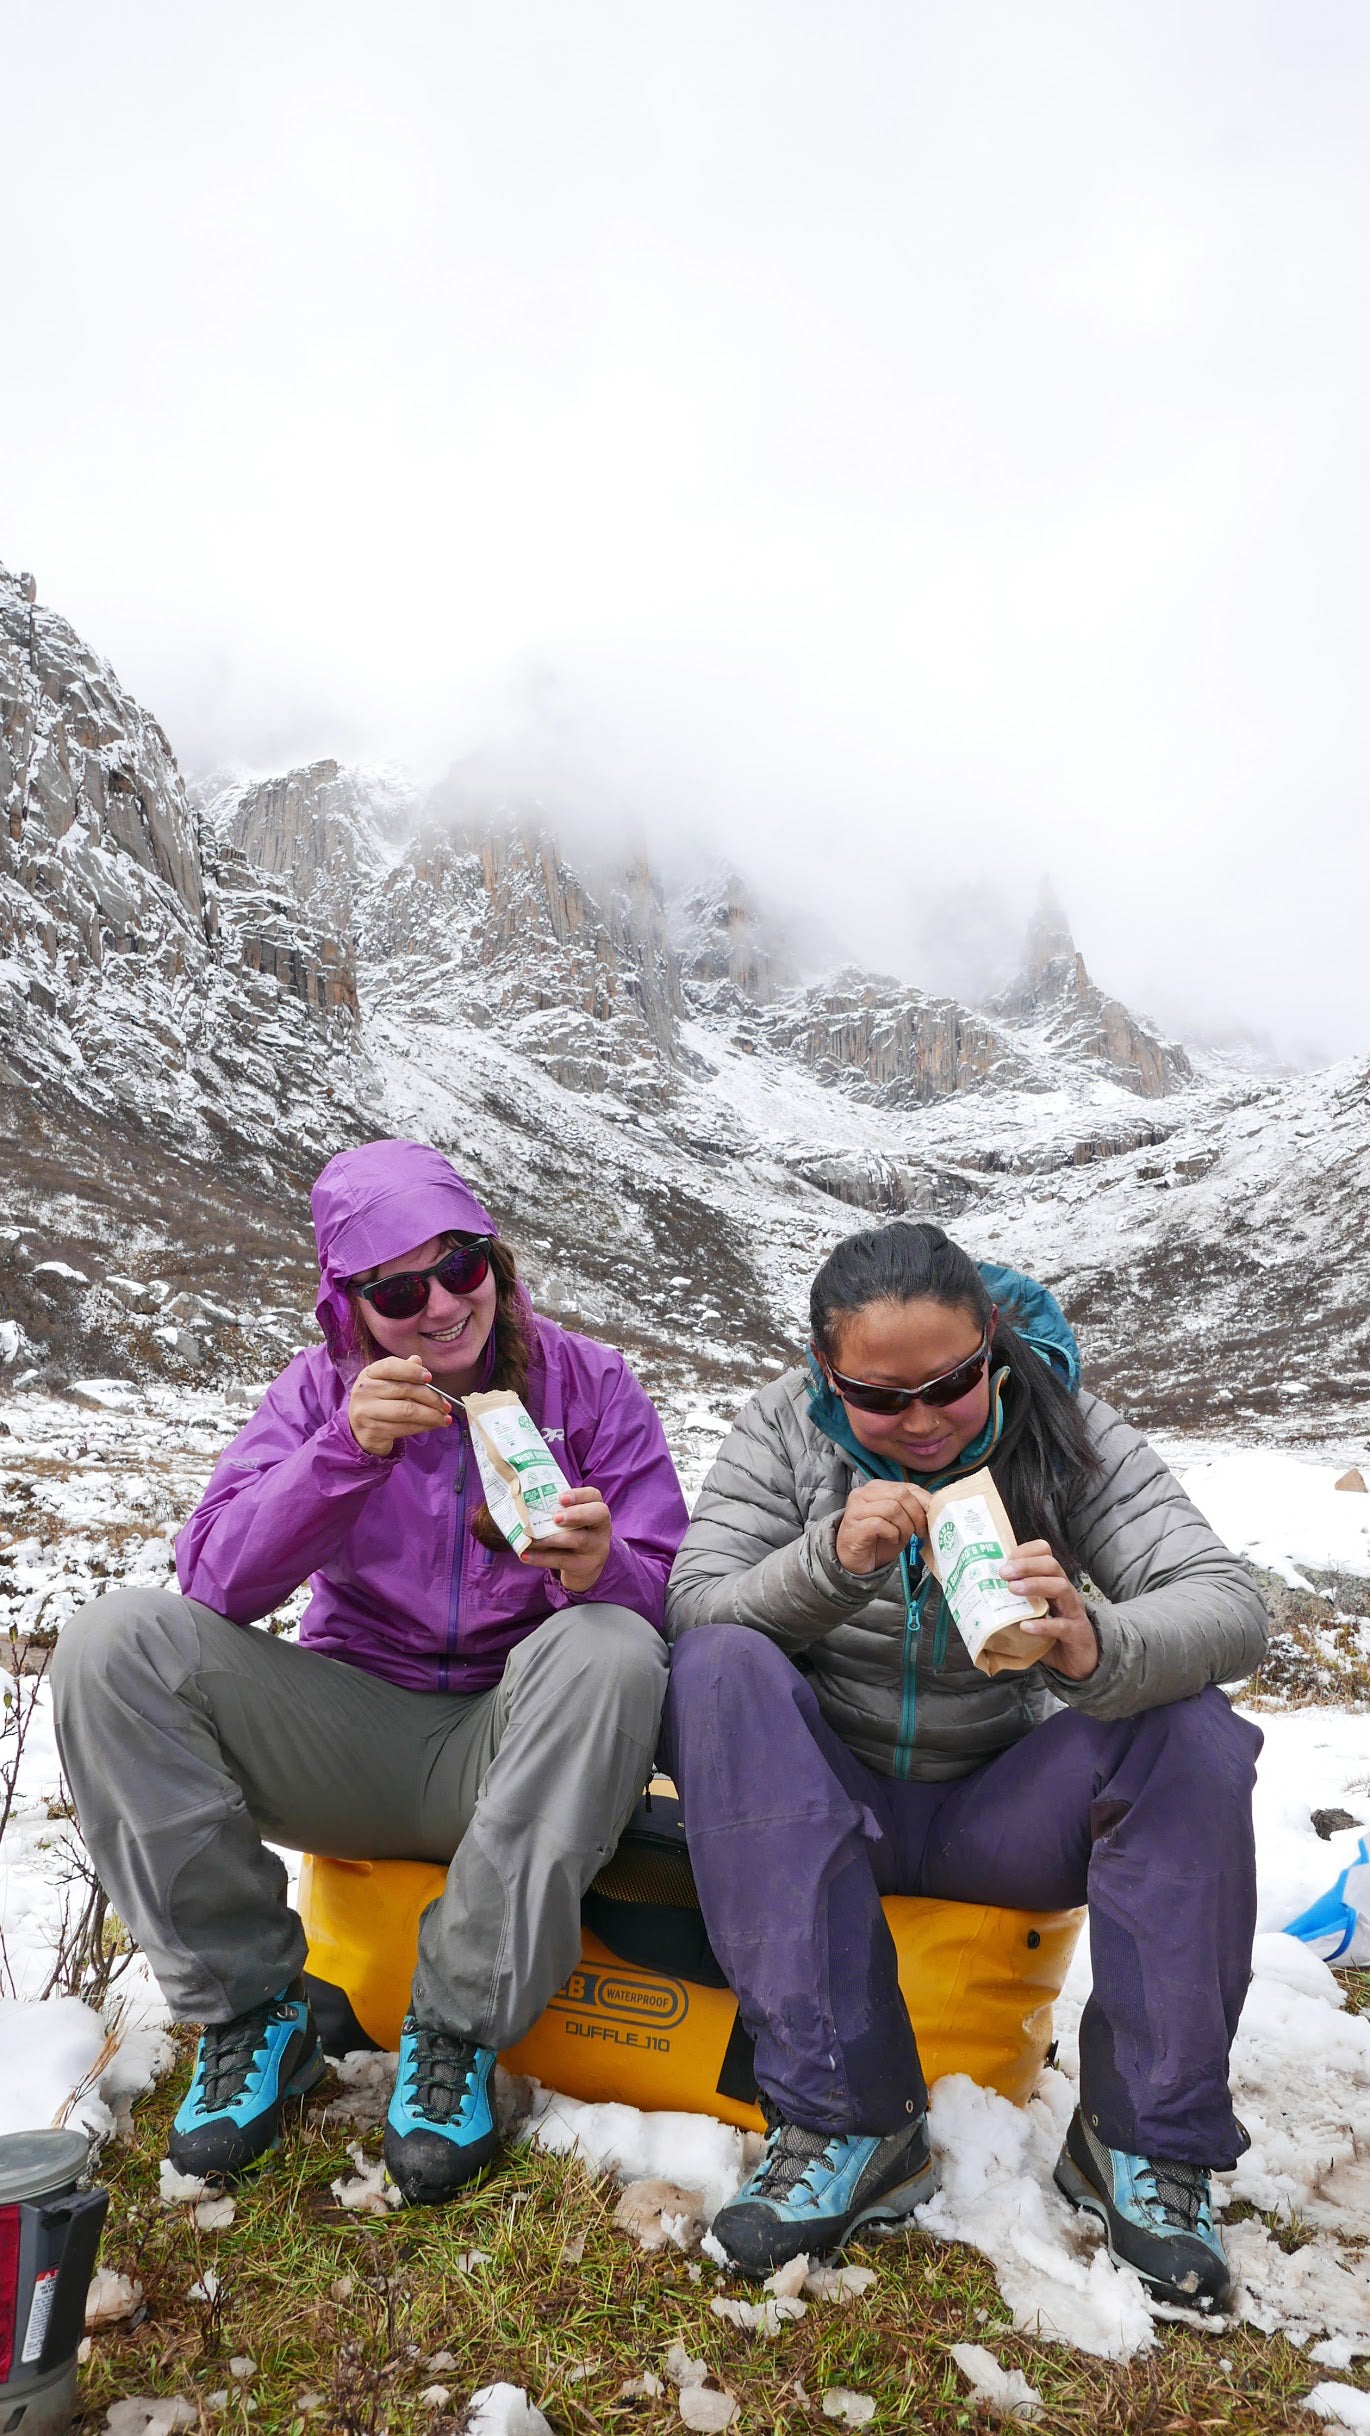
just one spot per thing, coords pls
(833, 1743)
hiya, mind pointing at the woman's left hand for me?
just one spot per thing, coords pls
(578, 1550)
(1068, 1638)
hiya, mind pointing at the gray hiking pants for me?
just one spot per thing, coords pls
(187, 1739)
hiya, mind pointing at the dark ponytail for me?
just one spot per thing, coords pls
(1044, 1452)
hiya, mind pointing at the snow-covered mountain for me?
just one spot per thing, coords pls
(205, 992)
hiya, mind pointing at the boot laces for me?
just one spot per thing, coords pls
(790, 2151)
(228, 2051)
(1178, 2192)
(440, 2070)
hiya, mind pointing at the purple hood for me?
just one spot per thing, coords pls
(372, 1204)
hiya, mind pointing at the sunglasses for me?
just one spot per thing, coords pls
(405, 1295)
(947, 1388)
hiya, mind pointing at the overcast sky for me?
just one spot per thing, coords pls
(913, 445)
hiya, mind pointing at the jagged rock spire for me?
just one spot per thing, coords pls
(1049, 937)
(1054, 989)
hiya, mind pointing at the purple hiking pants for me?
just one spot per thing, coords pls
(794, 1841)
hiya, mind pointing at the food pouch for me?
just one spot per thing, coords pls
(519, 1473)
(969, 1536)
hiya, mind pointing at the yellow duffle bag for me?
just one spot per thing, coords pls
(647, 2019)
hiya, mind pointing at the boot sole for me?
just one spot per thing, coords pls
(417, 2191)
(293, 2095)
(1082, 2194)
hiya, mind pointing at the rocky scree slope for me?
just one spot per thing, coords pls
(202, 995)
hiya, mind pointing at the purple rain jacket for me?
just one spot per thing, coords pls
(398, 1585)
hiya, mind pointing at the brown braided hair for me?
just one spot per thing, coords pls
(513, 1351)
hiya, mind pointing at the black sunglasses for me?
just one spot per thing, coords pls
(947, 1388)
(405, 1295)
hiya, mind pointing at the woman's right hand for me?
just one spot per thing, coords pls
(880, 1519)
(392, 1399)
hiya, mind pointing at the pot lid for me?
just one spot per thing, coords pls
(34, 2163)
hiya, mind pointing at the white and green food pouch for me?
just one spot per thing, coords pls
(520, 1475)
(969, 1538)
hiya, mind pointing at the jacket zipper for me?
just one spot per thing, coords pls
(913, 1633)
(913, 1621)
(458, 1568)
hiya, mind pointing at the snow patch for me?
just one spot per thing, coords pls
(769, 2317)
(368, 2192)
(1282, 1510)
(997, 2194)
(1005, 2392)
(1343, 2406)
(690, 2151)
(853, 2410)
(504, 2410)
(111, 2297)
(147, 2415)
(48, 2050)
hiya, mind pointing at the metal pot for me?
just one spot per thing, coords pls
(49, 2233)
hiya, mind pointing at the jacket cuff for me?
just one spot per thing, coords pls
(619, 1585)
(1097, 1694)
(335, 1440)
(852, 1589)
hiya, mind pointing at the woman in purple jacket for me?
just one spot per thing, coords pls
(446, 1700)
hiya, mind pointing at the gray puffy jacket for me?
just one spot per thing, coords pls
(1178, 1610)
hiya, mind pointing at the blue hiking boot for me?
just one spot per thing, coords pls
(1157, 2215)
(245, 2071)
(812, 2189)
(440, 2128)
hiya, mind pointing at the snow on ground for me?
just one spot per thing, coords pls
(80, 1510)
(47, 2049)
(81, 1514)
(1314, 1759)
(47, 2053)
(1282, 1511)
(1309, 2157)
(692, 2151)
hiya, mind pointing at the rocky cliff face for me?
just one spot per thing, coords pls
(267, 930)
(129, 913)
(99, 850)
(900, 1047)
(485, 914)
(326, 834)
(1055, 994)
(1218, 1278)
(203, 996)
(891, 1188)
(894, 1046)
(177, 1041)
(729, 951)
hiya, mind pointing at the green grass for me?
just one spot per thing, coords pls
(534, 2316)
